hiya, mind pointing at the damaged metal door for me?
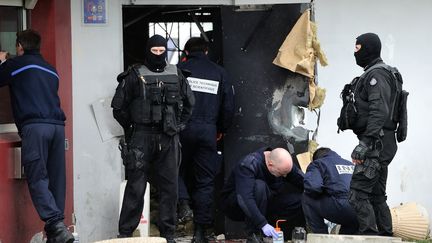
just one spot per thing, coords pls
(267, 96)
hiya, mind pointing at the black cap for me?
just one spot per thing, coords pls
(156, 40)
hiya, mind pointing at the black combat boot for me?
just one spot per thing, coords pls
(170, 239)
(58, 233)
(199, 234)
(124, 235)
(184, 211)
(254, 238)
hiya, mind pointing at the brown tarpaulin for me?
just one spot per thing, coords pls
(301, 48)
(298, 54)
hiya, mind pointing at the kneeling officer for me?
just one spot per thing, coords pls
(326, 192)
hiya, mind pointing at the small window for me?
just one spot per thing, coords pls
(176, 23)
(10, 23)
(177, 34)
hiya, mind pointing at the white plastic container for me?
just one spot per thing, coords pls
(144, 224)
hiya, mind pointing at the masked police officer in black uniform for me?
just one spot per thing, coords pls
(212, 113)
(152, 103)
(40, 121)
(374, 95)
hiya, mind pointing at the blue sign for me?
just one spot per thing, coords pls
(95, 11)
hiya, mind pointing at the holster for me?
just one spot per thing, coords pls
(348, 113)
(133, 158)
(126, 155)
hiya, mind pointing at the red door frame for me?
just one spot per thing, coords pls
(52, 19)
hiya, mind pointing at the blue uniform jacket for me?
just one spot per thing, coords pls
(33, 85)
(329, 175)
(214, 94)
(251, 168)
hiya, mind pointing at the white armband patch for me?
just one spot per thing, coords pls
(203, 85)
(345, 169)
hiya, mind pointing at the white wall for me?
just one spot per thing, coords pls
(97, 59)
(406, 45)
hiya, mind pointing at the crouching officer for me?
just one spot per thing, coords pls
(152, 103)
(326, 192)
(255, 192)
(212, 113)
(374, 97)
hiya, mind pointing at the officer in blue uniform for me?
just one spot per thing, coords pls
(153, 103)
(326, 192)
(212, 114)
(256, 185)
(40, 121)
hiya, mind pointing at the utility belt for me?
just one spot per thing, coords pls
(166, 119)
(148, 128)
(386, 131)
(132, 154)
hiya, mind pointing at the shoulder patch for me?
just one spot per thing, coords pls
(373, 82)
(345, 169)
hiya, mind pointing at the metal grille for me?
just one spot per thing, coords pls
(177, 34)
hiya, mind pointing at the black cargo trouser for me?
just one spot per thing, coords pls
(234, 207)
(158, 162)
(336, 209)
(43, 158)
(368, 190)
(198, 170)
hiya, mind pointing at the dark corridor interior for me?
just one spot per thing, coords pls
(174, 23)
(244, 41)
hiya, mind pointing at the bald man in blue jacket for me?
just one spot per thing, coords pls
(255, 191)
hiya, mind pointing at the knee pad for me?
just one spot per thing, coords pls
(357, 198)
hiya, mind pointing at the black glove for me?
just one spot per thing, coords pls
(360, 151)
(181, 127)
(127, 155)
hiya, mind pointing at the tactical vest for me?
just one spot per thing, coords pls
(354, 104)
(159, 103)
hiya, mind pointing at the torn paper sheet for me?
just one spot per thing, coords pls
(107, 125)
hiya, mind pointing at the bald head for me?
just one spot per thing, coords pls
(280, 162)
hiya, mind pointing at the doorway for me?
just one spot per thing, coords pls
(176, 24)
(244, 40)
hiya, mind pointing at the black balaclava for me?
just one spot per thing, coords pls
(156, 63)
(370, 49)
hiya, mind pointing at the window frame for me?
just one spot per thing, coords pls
(11, 127)
(12, 3)
(178, 42)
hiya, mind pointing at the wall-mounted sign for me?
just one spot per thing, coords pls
(94, 12)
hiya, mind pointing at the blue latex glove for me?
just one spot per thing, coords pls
(269, 231)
